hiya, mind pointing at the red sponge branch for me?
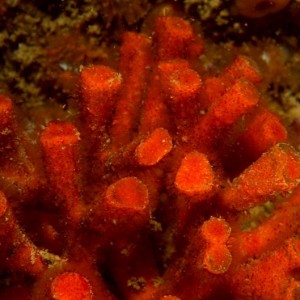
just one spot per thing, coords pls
(150, 151)
(155, 192)
(239, 99)
(124, 209)
(276, 171)
(182, 88)
(134, 66)
(268, 235)
(242, 67)
(175, 37)
(100, 85)
(16, 250)
(60, 142)
(269, 277)
(271, 132)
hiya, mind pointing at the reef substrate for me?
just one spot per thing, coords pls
(161, 182)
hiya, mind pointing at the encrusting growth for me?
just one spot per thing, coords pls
(146, 189)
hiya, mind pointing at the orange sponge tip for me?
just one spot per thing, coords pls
(127, 196)
(243, 67)
(71, 286)
(98, 81)
(58, 134)
(217, 258)
(238, 100)
(154, 148)
(195, 176)
(173, 36)
(183, 85)
(215, 230)
(99, 87)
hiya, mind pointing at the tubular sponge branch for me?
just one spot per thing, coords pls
(160, 182)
